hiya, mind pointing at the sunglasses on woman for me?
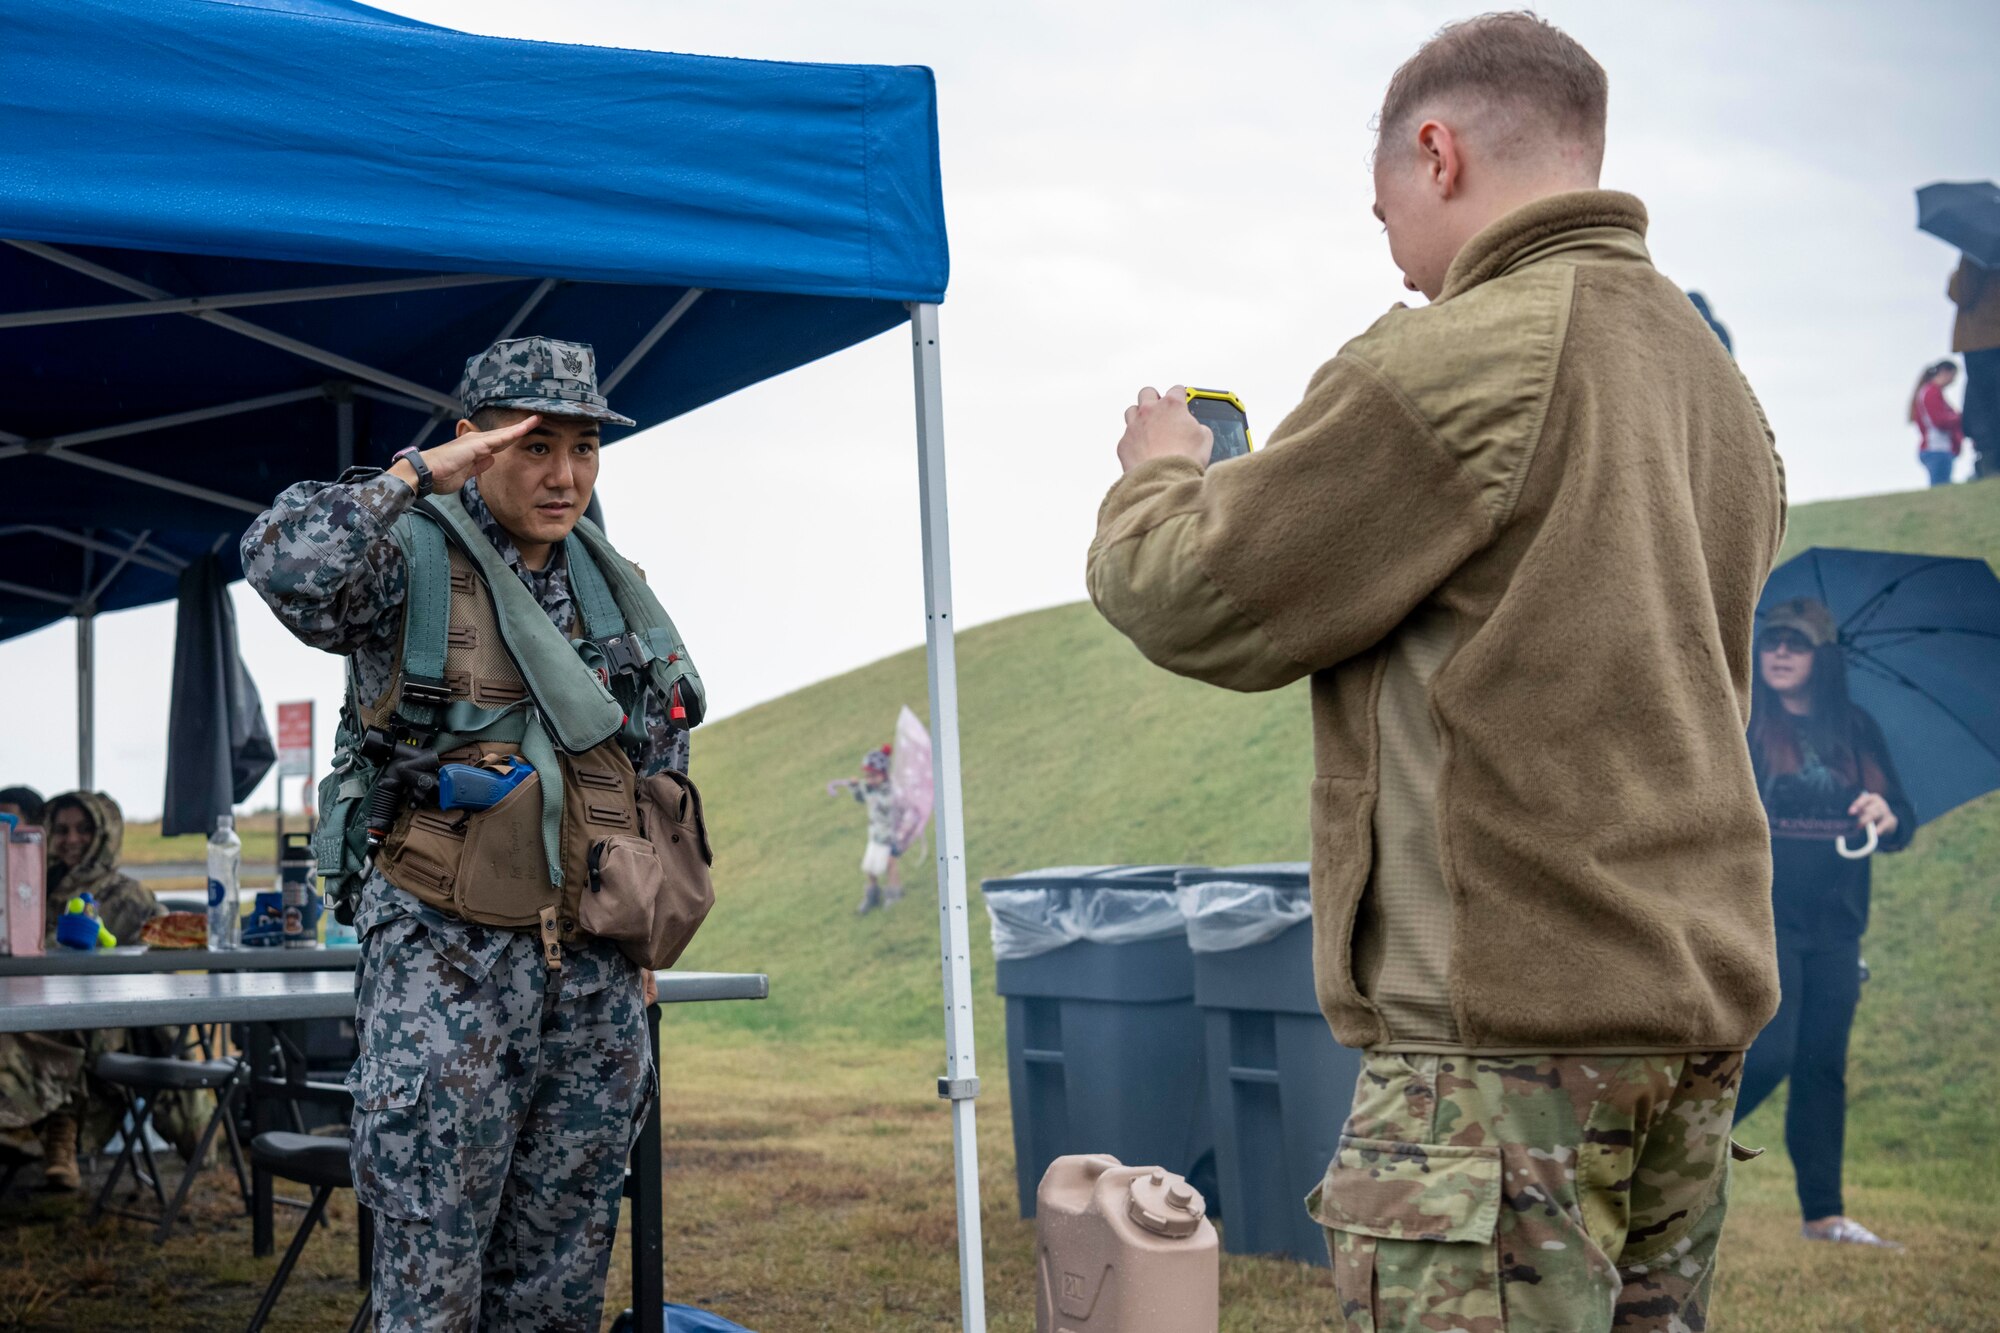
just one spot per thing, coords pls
(1790, 640)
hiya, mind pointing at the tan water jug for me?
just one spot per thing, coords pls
(1122, 1249)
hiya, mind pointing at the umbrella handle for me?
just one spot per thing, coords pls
(1866, 850)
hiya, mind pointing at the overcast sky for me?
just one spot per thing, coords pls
(1143, 193)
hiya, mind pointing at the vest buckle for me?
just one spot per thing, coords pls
(426, 691)
(624, 654)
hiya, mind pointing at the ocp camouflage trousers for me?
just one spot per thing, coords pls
(491, 1129)
(1549, 1193)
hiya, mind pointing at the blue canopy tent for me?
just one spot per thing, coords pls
(251, 243)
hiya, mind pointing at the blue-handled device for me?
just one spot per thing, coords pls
(469, 787)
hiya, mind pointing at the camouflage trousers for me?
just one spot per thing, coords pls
(48, 1073)
(1550, 1193)
(40, 1074)
(492, 1125)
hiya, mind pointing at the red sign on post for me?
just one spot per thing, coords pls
(295, 739)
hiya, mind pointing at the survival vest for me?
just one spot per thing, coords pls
(484, 672)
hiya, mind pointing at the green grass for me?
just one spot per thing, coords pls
(145, 846)
(1950, 520)
(808, 1159)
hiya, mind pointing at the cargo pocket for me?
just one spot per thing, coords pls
(391, 1151)
(648, 1108)
(421, 855)
(503, 873)
(618, 902)
(1413, 1233)
(649, 894)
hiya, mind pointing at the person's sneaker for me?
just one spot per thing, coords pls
(1845, 1231)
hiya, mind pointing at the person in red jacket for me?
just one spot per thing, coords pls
(1940, 433)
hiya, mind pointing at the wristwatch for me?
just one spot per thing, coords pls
(416, 458)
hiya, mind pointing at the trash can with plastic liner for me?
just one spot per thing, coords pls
(1279, 1085)
(1104, 1047)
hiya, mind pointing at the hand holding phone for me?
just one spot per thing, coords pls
(1222, 412)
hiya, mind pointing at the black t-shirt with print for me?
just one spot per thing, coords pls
(1817, 894)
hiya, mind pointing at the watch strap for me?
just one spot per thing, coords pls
(415, 456)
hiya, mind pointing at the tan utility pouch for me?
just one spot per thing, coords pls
(649, 894)
(487, 868)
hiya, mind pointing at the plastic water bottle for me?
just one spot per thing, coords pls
(225, 887)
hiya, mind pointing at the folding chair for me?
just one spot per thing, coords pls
(320, 1163)
(140, 1079)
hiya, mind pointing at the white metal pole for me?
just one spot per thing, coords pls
(960, 1083)
(86, 699)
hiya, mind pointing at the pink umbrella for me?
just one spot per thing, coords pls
(910, 778)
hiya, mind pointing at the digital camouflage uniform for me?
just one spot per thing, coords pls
(496, 1102)
(1548, 1193)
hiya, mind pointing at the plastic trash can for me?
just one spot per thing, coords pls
(1279, 1085)
(1104, 1046)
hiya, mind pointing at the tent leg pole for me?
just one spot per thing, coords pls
(86, 701)
(960, 1083)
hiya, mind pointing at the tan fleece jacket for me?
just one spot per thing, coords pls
(1516, 538)
(1976, 293)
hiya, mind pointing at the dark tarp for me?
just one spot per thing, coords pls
(218, 748)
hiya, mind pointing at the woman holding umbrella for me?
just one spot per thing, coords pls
(1832, 796)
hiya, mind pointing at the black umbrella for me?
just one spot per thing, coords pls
(1965, 214)
(1922, 639)
(218, 748)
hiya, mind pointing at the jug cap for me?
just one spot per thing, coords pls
(1165, 1204)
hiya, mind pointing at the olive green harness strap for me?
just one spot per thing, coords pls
(667, 663)
(426, 623)
(601, 616)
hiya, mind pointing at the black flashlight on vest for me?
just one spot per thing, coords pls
(1222, 412)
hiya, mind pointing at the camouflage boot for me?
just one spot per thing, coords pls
(59, 1170)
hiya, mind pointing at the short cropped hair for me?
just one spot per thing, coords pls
(1518, 63)
(29, 801)
(493, 418)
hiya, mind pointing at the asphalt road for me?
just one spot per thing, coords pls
(159, 870)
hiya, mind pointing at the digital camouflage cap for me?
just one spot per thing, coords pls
(537, 375)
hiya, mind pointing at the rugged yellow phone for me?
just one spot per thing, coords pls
(1222, 412)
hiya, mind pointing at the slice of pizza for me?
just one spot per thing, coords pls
(176, 930)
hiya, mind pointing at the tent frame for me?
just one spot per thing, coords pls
(960, 1083)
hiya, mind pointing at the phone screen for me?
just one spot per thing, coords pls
(1229, 426)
